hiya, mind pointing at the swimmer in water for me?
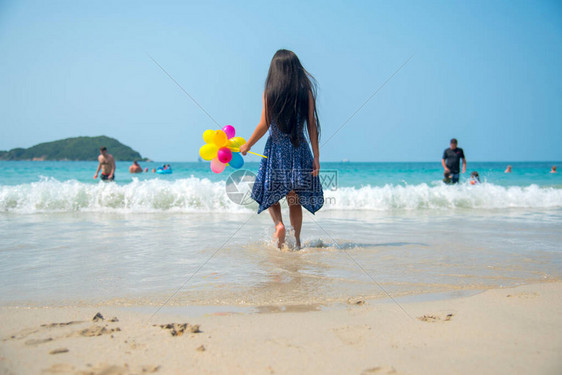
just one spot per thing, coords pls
(106, 164)
(135, 167)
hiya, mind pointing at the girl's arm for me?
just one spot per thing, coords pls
(261, 129)
(313, 134)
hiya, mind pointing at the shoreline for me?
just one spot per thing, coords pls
(499, 331)
(149, 303)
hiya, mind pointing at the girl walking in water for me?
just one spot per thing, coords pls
(290, 170)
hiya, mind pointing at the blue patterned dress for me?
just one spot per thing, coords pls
(287, 168)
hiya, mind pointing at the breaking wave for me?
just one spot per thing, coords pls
(202, 195)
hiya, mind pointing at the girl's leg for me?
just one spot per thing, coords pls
(295, 213)
(275, 212)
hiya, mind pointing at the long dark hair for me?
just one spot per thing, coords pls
(287, 89)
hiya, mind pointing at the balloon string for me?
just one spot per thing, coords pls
(235, 149)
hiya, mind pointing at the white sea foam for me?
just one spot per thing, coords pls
(185, 195)
(423, 196)
(201, 195)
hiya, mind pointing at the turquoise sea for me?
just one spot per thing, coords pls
(351, 174)
(181, 239)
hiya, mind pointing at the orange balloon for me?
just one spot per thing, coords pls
(220, 139)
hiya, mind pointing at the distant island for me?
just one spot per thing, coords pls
(75, 149)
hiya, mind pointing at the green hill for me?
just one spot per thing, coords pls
(78, 148)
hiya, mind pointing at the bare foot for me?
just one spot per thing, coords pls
(280, 234)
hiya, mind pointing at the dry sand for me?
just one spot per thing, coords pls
(501, 331)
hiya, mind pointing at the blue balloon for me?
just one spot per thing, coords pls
(237, 160)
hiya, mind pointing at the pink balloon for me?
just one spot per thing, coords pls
(217, 166)
(229, 130)
(224, 155)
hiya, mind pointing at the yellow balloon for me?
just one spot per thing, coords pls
(209, 135)
(220, 138)
(236, 142)
(208, 151)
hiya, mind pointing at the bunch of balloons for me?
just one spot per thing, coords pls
(222, 148)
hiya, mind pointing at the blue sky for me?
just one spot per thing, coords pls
(486, 72)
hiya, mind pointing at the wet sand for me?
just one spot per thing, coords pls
(500, 331)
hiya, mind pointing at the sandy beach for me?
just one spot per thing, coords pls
(500, 331)
(223, 187)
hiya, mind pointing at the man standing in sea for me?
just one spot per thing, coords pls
(451, 161)
(106, 164)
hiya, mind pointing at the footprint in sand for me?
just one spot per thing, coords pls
(52, 325)
(62, 330)
(22, 334)
(104, 369)
(524, 295)
(380, 370)
(356, 301)
(43, 328)
(435, 318)
(352, 335)
(135, 346)
(178, 329)
(285, 343)
(59, 368)
(101, 369)
(59, 351)
(94, 331)
(33, 342)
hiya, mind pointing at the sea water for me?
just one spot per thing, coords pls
(387, 229)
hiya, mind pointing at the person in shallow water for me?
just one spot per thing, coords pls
(135, 167)
(451, 161)
(106, 164)
(290, 169)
